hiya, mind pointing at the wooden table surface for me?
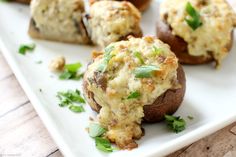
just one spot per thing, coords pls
(22, 133)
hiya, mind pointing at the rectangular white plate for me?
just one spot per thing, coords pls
(210, 97)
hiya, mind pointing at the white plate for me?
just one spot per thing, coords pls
(210, 97)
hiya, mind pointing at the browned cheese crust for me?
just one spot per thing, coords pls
(35, 33)
(167, 103)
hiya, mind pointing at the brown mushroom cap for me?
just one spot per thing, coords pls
(168, 102)
(180, 47)
(142, 5)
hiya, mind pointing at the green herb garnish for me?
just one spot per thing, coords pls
(66, 75)
(145, 71)
(76, 109)
(73, 96)
(95, 130)
(24, 48)
(39, 62)
(156, 51)
(107, 57)
(190, 117)
(176, 124)
(71, 72)
(134, 95)
(195, 21)
(73, 67)
(73, 99)
(103, 144)
(109, 49)
(139, 56)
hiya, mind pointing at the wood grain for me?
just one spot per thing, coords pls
(4, 69)
(21, 130)
(219, 144)
(11, 95)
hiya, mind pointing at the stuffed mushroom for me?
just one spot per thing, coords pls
(198, 31)
(142, 5)
(58, 20)
(130, 82)
(111, 21)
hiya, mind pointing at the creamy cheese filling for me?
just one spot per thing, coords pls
(59, 19)
(111, 20)
(120, 114)
(213, 37)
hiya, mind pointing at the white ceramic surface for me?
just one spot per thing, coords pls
(210, 97)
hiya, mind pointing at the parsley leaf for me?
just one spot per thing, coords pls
(109, 49)
(24, 48)
(66, 75)
(76, 109)
(73, 96)
(139, 56)
(190, 117)
(39, 62)
(103, 144)
(71, 72)
(195, 21)
(134, 95)
(145, 71)
(73, 67)
(107, 57)
(70, 98)
(156, 51)
(95, 130)
(176, 124)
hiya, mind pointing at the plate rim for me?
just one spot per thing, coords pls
(48, 121)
